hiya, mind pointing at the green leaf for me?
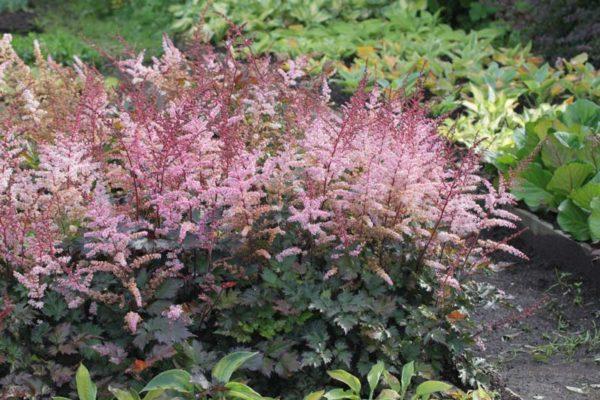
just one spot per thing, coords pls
(582, 112)
(430, 387)
(85, 387)
(570, 139)
(569, 177)
(121, 394)
(229, 364)
(573, 220)
(584, 195)
(174, 379)
(341, 394)
(60, 398)
(392, 381)
(374, 376)
(594, 219)
(240, 391)
(352, 381)
(315, 395)
(408, 371)
(388, 394)
(154, 394)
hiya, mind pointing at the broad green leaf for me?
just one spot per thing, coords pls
(388, 394)
(582, 112)
(573, 220)
(408, 371)
(392, 381)
(315, 395)
(571, 140)
(86, 389)
(229, 364)
(594, 219)
(174, 379)
(568, 177)
(352, 381)
(430, 387)
(341, 394)
(60, 398)
(121, 394)
(554, 154)
(374, 376)
(238, 390)
(154, 394)
(584, 195)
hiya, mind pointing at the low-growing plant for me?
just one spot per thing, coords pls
(178, 383)
(218, 196)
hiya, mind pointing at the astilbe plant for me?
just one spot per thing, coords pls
(205, 148)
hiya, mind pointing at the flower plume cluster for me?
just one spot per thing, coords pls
(201, 147)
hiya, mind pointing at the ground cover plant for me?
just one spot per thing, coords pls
(86, 28)
(492, 88)
(209, 201)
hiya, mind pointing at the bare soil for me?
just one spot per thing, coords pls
(543, 337)
(17, 22)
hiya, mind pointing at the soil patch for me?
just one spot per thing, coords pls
(17, 22)
(543, 339)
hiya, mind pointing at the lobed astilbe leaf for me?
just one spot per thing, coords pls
(199, 149)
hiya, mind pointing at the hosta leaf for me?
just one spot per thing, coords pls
(86, 389)
(568, 177)
(388, 394)
(341, 394)
(408, 371)
(584, 195)
(352, 381)
(238, 390)
(573, 220)
(315, 395)
(121, 394)
(374, 376)
(430, 387)
(174, 379)
(229, 364)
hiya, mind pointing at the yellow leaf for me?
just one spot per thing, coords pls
(365, 52)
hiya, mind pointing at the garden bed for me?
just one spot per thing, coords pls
(553, 248)
(543, 342)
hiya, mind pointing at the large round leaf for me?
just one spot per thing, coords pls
(573, 220)
(568, 177)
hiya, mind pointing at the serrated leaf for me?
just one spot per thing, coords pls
(227, 365)
(568, 177)
(86, 389)
(345, 377)
(573, 220)
(174, 379)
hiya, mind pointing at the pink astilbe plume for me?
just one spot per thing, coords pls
(203, 147)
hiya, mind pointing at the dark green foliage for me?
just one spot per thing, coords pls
(558, 28)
